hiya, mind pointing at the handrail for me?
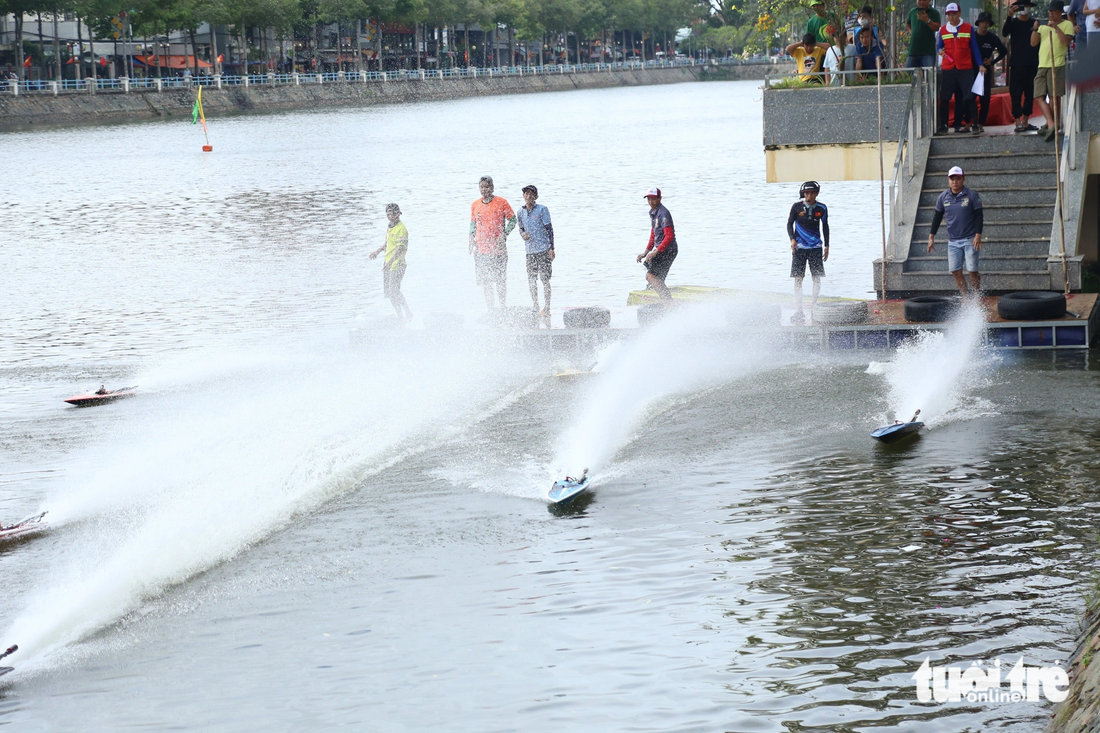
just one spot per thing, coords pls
(893, 73)
(1073, 125)
(912, 130)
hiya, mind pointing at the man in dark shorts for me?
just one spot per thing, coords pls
(393, 268)
(808, 228)
(662, 249)
(538, 240)
(491, 220)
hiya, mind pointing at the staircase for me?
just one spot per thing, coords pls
(1015, 177)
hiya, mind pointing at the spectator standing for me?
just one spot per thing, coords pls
(538, 239)
(992, 51)
(808, 228)
(1023, 64)
(823, 28)
(491, 220)
(868, 52)
(393, 267)
(810, 56)
(961, 59)
(1053, 42)
(923, 23)
(1076, 14)
(662, 248)
(962, 209)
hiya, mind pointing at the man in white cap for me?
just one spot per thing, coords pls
(962, 209)
(961, 59)
(662, 249)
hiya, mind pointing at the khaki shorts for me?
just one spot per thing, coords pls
(1050, 82)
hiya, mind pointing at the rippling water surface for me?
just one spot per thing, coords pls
(287, 533)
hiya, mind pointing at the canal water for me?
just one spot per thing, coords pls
(288, 533)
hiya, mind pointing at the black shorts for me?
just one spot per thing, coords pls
(539, 266)
(803, 256)
(391, 280)
(491, 268)
(659, 265)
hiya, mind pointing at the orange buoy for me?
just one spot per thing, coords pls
(207, 148)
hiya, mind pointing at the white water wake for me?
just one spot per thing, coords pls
(192, 479)
(936, 372)
(689, 350)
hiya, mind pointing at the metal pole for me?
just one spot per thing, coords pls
(881, 174)
(1058, 184)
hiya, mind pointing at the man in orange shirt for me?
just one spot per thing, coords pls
(491, 220)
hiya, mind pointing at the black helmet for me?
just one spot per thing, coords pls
(809, 186)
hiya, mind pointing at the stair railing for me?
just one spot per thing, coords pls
(912, 130)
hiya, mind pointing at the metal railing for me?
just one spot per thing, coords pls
(126, 85)
(913, 129)
(840, 78)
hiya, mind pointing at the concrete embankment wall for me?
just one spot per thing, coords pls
(1080, 711)
(17, 112)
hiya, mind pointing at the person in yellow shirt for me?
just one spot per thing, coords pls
(1053, 40)
(810, 56)
(393, 268)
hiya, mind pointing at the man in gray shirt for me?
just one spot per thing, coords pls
(962, 208)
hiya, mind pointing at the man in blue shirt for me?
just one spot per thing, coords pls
(538, 240)
(962, 208)
(868, 51)
(808, 228)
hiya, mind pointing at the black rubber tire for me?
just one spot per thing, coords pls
(650, 313)
(840, 313)
(587, 318)
(930, 309)
(1032, 305)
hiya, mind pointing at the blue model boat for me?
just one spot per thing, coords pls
(568, 488)
(899, 430)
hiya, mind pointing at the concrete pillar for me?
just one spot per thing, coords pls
(340, 76)
(297, 81)
(385, 77)
(126, 84)
(15, 88)
(439, 73)
(53, 87)
(321, 78)
(91, 84)
(422, 75)
(363, 76)
(490, 73)
(218, 80)
(160, 84)
(271, 78)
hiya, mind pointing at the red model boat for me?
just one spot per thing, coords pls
(101, 397)
(30, 525)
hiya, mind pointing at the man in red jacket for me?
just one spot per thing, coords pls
(662, 248)
(961, 59)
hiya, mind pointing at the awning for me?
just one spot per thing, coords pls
(171, 62)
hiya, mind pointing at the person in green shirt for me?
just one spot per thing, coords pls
(393, 268)
(923, 22)
(1053, 40)
(821, 25)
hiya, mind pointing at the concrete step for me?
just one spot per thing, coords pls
(1004, 144)
(992, 263)
(979, 180)
(940, 164)
(918, 247)
(1000, 195)
(992, 282)
(994, 231)
(998, 213)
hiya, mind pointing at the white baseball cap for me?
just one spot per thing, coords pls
(951, 8)
(653, 192)
(956, 171)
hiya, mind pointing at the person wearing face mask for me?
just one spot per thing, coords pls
(1023, 64)
(867, 20)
